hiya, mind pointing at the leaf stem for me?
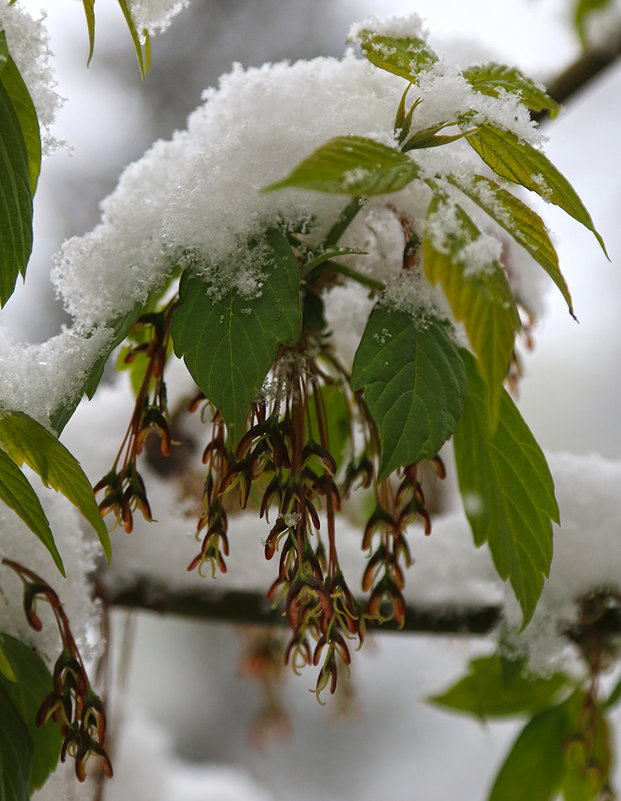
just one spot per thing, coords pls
(349, 272)
(340, 226)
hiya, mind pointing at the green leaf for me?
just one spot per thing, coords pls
(405, 57)
(326, 255)
(414, 384)
(15, 196)
(5, 666)
(526, 227)
(25, 440)
(89, 12)
(229, 343)
(507, 489)
(25, 110)
(16, 752)
(16, 492)
(33, 684)
(515, 160)
(496, 79)
(485, 692)
(351, 165)
(588, 751)
(479, 295)
(534, 767)
(143, 50)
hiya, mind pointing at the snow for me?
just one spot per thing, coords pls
(155, 15)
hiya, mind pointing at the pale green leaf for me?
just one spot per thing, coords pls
(15, 196)
(351, 165)
(5, 666)
(507, 490)
(32, 685)
(480, 297)
(26, 113)
(515, 160)
(16, 752)
(534, 767)
(89, 13)
(25, 440)
(496, 79)
(143, 48)
(401, 56)
(414, 385)
(484, 691)
(526, 227)
(230, 343)
(16, 492)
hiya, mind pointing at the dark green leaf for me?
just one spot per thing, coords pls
(401, 56)
(89, 12)
(16, 492)
(15, 196)
(534, 767)
(484, 691)
(522, 223)
(517, 161)
(507, 489)
(229, 343)
(33, 685)
(414, 384)
(26, 113)
(143, 49)
(27, 441)
(351, 165)
(479, 295)
(496, 79)
(16, 752)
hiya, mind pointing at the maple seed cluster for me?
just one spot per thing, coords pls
(72, 703)
(124, 487)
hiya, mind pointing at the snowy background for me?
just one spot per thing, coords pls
(184, 718)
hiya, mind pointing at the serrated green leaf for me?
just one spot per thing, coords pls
(351, 165)
(143, 49)
(534, 767)
(484, 691)
(496, 79)
(526, 227)
(16, 492)
(229, 343)
(25, 440)
(480, 296)
(25, 110)
(32, 685)
(16, 752)
(414, 385)
(15, 195)
(507, 489)
(89, 13)
(405, 57)
(515, 160)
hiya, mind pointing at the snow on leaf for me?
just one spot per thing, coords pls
(507, 471)
(351, 165)
(229, 344)
(481, 298)
(414, 385)
(515, 160)
(405, 56)
(495, 79)
(524, 225)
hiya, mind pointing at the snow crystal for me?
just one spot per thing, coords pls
(27, 41)
(154, 15)
(408, 27)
